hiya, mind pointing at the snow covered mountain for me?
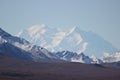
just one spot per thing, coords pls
(20, 48)
(74, 57)
(6, 47)
(71, 39)
(107, 58)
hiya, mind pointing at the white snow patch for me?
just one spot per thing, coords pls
(106, 54)
(83, 48)
(71, 31)
(78, 60)
(2, 40)
(111, 58)
(78, 38)
(37, 30)
(58, 38)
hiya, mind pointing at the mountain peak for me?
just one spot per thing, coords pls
(39, 26)
(41, 29)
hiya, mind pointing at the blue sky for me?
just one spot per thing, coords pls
(99, 16)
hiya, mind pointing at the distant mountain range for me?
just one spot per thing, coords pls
(71, 39)
(20, 48)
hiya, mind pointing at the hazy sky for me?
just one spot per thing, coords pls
(99, 16)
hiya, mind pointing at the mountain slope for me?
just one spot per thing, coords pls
(20, 48)
(10, 50)
(74, 57)
(71, 39)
